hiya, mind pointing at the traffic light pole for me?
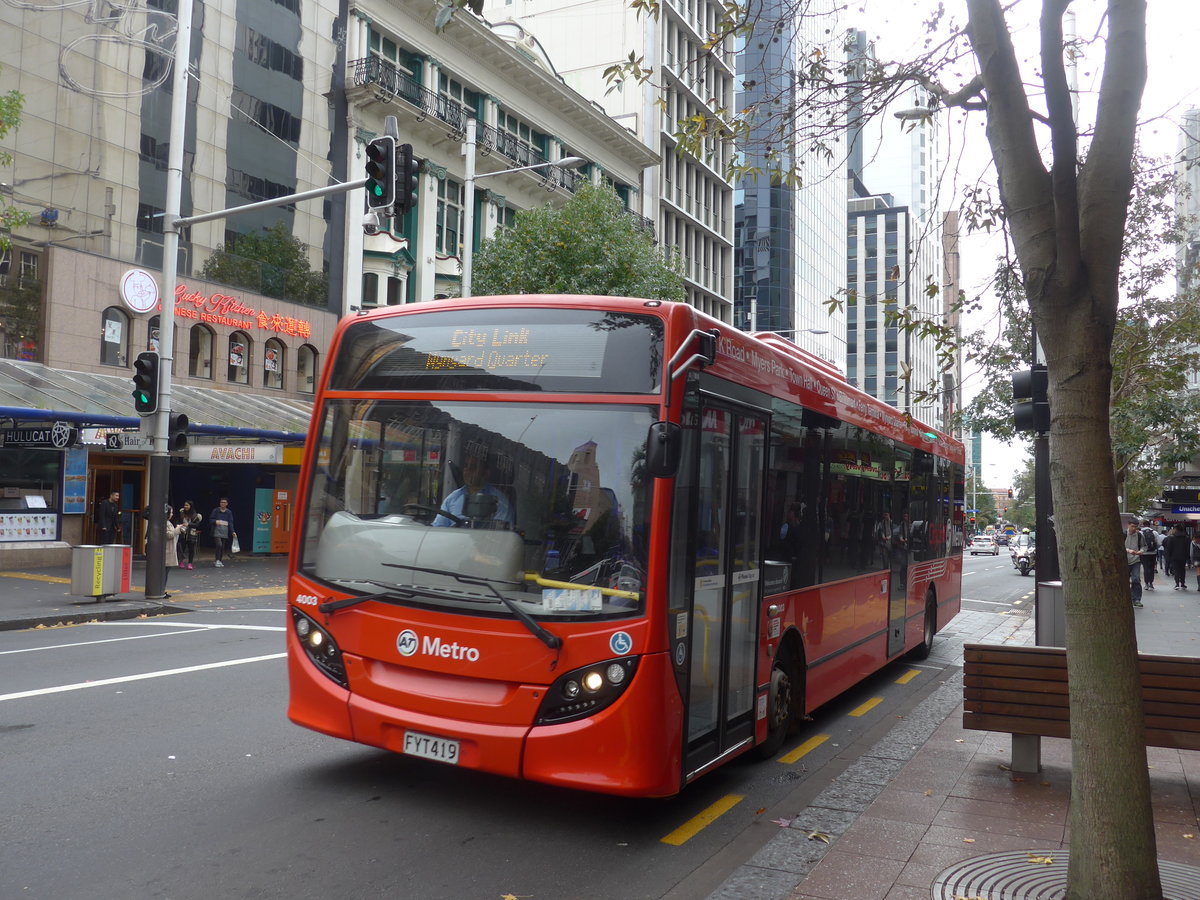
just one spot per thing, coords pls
(160, 422)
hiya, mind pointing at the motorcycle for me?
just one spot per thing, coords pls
(1023, 558)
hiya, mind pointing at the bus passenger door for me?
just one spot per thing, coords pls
(726, 564)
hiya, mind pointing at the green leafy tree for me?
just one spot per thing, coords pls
(273, 263)
(1064, 208)
(11, 105)
(590, 245)
(1155, 421)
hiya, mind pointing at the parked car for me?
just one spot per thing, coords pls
(981, 543)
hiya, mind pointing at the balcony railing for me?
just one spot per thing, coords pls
(377, 72)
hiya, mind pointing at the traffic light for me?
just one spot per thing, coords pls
(145, 383)
(1010, 493)
(407, 178)
(177, 426)
(381, 174)
(1030, 389)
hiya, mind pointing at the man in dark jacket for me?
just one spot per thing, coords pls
(108, 519)
(1177, 550)
(1149, 554)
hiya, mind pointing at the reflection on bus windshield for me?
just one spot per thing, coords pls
(542, 501)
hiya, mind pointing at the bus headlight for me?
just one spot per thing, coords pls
(582, 692)
(320, 647)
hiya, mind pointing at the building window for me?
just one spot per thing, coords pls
(306, 369)
(114, 338)
(370, 290)
(274, 356)
(239, 358)
(395, 291)
(449, 217)
(200, 352)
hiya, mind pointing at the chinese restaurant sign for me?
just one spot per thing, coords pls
(222, 309)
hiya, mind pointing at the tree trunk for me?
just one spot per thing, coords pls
(1113, 851)
(1068, 227)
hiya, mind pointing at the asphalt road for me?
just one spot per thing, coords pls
(153, 759)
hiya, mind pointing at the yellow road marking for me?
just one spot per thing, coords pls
(279, 591)
(693, 826)
(908, 676)
(30, 576)
(866, 707)
(804, 749)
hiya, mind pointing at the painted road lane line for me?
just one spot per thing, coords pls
(865, 708)
(804, 749)
(908, 676)
(696, 824)
(125, 679)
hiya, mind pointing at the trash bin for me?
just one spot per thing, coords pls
(1050, 624)
(100, 570)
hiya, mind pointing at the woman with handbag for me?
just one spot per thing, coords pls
(220, 522)
(190, 520)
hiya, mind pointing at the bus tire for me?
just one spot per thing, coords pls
(784, 698)
(929, 627)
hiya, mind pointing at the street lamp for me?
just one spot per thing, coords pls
(567, 162)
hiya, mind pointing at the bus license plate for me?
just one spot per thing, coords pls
(435, 748)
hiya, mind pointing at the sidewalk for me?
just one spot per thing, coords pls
(931, 811)
(35, 597)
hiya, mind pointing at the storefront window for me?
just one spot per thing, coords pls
(306, 369)
(114, 337)
(29, 501)
(200, 352)
(274, 355)
(239, 358)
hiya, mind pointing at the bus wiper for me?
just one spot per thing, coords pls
(391, 593)
(551, 640)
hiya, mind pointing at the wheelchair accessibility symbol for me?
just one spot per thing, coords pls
(620, 643)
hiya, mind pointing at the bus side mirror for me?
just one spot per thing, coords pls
(663, 447)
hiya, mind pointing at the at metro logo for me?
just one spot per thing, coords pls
(433, 646)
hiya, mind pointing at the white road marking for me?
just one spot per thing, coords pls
(182, 629)
(103, 682)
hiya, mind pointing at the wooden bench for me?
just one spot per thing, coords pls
(1023, 691)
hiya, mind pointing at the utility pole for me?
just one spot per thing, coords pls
(160, 456)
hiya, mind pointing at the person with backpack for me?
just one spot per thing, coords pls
(1149, 554)
(1134, 544)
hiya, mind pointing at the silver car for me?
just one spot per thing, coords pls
(981, 543)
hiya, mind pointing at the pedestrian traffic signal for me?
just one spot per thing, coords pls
(381, 174)
(145, 383)
(407, 180)
(177, 426)
(1030, 389)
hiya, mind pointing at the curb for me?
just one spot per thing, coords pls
(90, 615)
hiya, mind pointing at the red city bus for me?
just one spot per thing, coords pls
(603, 543)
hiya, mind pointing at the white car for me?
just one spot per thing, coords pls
(981, 543)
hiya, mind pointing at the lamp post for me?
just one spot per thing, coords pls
(567, 162)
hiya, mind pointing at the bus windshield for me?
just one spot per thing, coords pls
(452, 503)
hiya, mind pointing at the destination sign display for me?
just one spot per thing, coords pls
(532, 349)
(554, 349)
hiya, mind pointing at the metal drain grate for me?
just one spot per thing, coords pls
(1014, 876)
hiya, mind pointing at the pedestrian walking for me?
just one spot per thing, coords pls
(190, 536)
(108, 519)
(1134, 543)
(1162, 553)
(1179, 552)
(1196, 555)
(1149, 554)
(220, 522)
(170, 547)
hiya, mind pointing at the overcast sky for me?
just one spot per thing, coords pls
(1172, 87)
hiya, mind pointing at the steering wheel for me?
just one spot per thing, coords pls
(432, 512)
